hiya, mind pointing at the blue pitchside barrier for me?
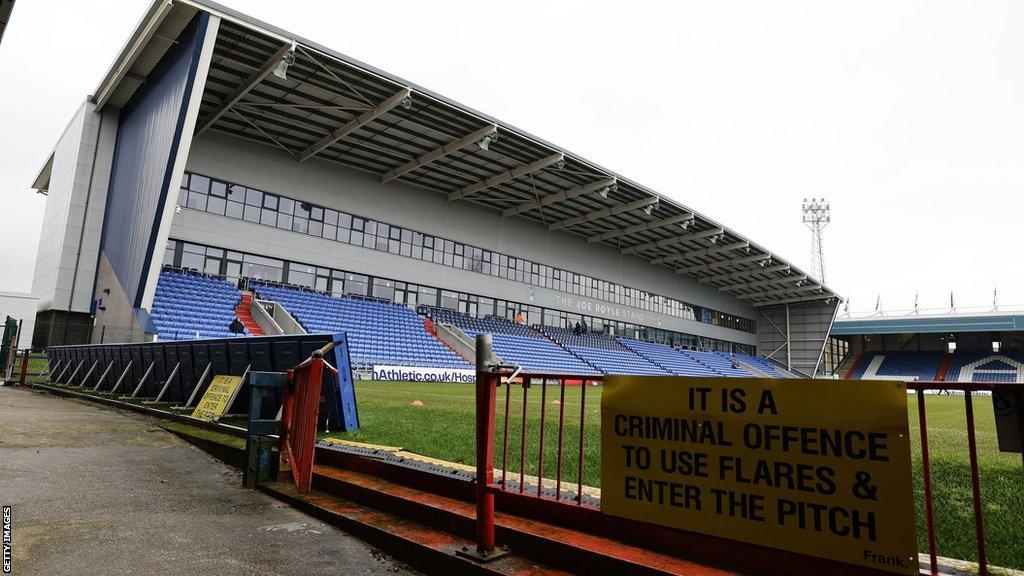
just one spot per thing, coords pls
(178, 372)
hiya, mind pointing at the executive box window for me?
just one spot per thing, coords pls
(235, 201)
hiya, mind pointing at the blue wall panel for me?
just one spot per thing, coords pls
(148, 136)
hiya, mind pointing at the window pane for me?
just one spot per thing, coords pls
(219, 189)
(268, 217)
(285, 205)
(236, 192)
(284, 221)
(345, 220)
(316, 228)
(302, 209)
(233, 210)
(300, 225)
(253, 197)
(270, 201)
(199, 183)
(197, 200)
(216, 205)
(330, 232)
(317, 213)
(330, 217)
(252, 213)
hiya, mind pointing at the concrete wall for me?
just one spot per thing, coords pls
(73, 219)
(21, 307)
(330, 185)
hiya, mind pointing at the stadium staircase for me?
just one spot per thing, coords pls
(379, 333)
(943, 371)
(244, 315)
(849, 365)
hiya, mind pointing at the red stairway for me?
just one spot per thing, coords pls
(243, 311)
(940, 375)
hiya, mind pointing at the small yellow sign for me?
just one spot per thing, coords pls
(819, 467)
(218, 397)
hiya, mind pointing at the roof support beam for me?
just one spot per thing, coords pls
(742, 273)
(811, 298)
(779, 292)
(440, 152)
(521, 170)
(158, 12)
(701, 252)
(684, 217)
(724, 263)
(247, 86)
(354, 124)
(760, 283)
(673, 241)
(560, 196)
(599, 214)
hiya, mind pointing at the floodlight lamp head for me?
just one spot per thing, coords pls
(485, 142)
(406, 102)
(281, 70)
(650, 208)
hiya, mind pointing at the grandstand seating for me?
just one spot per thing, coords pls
(618, 361)
(585, 339)
(761, 364)
(910, 365)
(379, 333)
(964, 366)
(189, 305)
(669, 358)
(518, 344)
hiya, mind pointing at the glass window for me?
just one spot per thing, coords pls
(268, 217)
(330, 217)
(301, 274)
(316, 213)
(300, 225)
(236, 192)
(356, 284)
(270, 201)
(285, 205)
(302, 209)
(284, 221)
(253, 197)
(197, 200)
(344, 220)
(316, 228)
(218, 189)
(252, 213)
(262, 268)
(199, 183)
(216, 205)
(233, 210)
(383, 288)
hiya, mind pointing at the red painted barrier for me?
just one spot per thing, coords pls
(299, 416)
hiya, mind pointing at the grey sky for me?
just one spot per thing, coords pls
(908, 116)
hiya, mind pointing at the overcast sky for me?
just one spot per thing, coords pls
(908, 116)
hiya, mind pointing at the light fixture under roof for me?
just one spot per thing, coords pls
(281, 70)
(650, 208)
(485, 142)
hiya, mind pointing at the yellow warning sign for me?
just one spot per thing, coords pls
(218, 397)
(819, 467)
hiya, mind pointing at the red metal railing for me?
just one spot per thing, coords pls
(299, 416)
(969, 389)
(488, 384)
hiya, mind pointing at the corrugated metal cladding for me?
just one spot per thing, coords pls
(806, 324)
(147, 141)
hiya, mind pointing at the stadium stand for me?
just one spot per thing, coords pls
(191, 305)
(618, 361)
(985, 366)
(668, 358)
(761, 364)
(587, 339)
(517, 343)
(898, 366)
(379, 333)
